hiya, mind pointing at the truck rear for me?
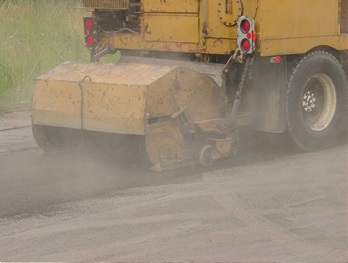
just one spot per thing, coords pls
(193, 72)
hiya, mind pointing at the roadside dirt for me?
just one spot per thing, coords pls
(21, 139)
(267, 204)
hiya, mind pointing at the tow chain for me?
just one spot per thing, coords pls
(246, 71)
(232, 117)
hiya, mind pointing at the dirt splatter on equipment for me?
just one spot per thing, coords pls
(193, 72)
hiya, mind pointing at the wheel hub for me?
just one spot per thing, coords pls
(319, 102)
(309, 101)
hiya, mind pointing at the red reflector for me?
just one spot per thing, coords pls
(89, 24)
(89, 40)
(245, 26)
(276, 59)
(86, 32)
(254, 36)
(245, 45)
(248, 35)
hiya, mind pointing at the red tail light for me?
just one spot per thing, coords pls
(254, 37)
(246, 45)
(276, 60)
(245, 26)
(89, 24)
(89, 40)
(91, 31)
(246, 35)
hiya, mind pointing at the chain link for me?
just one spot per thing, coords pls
(247, 69)
(251, 67)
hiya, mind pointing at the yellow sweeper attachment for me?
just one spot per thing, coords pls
(179, 111)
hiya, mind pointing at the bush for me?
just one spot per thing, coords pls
(6, 78)
(37, 35)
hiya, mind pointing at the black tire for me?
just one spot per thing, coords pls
(51, 139)
(316, 102)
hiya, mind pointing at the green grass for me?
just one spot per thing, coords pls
(36, 35)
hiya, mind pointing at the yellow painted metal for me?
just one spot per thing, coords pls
(135, 42)
(178, 28)
(295, 27)
(167, 146)
(228, 10)
(116, 108)
(171, 6)
(171, 21)
(109, 4)
(174, 103)
(95, 96)
(344, 17)
(165, 102)
(146, 98)
(301, 45)
(181, 88)
(216, 15)
(283, 27)
(282, 19)
(120, 98)
(57, 103)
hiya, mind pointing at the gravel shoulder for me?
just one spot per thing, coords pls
(15, 131)
(289, 208)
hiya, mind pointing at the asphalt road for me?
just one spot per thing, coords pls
(267, 204)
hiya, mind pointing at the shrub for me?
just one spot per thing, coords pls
(37, 35)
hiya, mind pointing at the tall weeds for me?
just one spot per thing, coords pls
(35, 36)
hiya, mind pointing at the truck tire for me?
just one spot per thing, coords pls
(316, 102)
(51, 139)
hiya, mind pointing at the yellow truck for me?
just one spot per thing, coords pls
(193, 72)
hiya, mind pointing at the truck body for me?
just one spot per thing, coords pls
(209, 27)
(193, 72)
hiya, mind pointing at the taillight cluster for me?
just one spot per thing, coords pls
(90, 31)
(246, 35)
